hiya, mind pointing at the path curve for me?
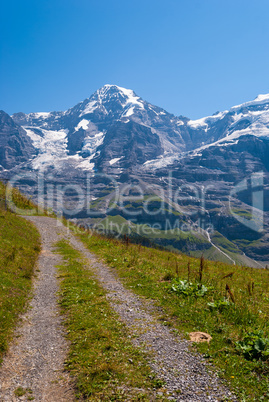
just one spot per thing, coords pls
(214, 245)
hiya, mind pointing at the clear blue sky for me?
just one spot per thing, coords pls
(191, 57)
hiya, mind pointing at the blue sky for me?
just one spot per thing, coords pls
(191, 57)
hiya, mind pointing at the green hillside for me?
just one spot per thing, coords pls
(229, 302)
(193, 242)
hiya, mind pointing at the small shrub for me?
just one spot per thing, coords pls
(219, 305)
(254, 346)
(189, 289)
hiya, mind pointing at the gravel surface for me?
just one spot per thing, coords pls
(188, 376)
(35, 360)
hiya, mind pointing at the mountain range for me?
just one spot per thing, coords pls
(219, 163)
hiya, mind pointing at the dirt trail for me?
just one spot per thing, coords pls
(214, 245)
(41, 350)
(35, 360)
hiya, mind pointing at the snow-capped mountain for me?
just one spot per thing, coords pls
(118, 133)
(76, 135)
(250, 118)
(116, 128)
(224, 128)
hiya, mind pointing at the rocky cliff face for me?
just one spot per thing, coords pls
(113, 121)
(15, 145)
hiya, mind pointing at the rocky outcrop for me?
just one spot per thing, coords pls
(15, 146)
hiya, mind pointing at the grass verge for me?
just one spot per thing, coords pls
(105, 364)
(19, 249)
(152, 273)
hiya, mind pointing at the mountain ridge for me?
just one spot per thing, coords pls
(87, 124)
(115, 132)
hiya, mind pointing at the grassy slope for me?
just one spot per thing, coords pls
(193, 244)
(19, 248)
(102, 359)
(149, 273)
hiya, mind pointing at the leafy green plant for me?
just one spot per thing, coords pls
(219, 305)
(189, 289)
(254, 345)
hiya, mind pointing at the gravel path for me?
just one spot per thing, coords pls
(35, 360)
(188, 377)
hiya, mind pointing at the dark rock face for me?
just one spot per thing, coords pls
(75, 142)
(133, 143)
(15, 146)
(234, 162)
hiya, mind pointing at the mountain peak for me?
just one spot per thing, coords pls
(262, 97)
(123, 96)
(114, 90)
(259, 100)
